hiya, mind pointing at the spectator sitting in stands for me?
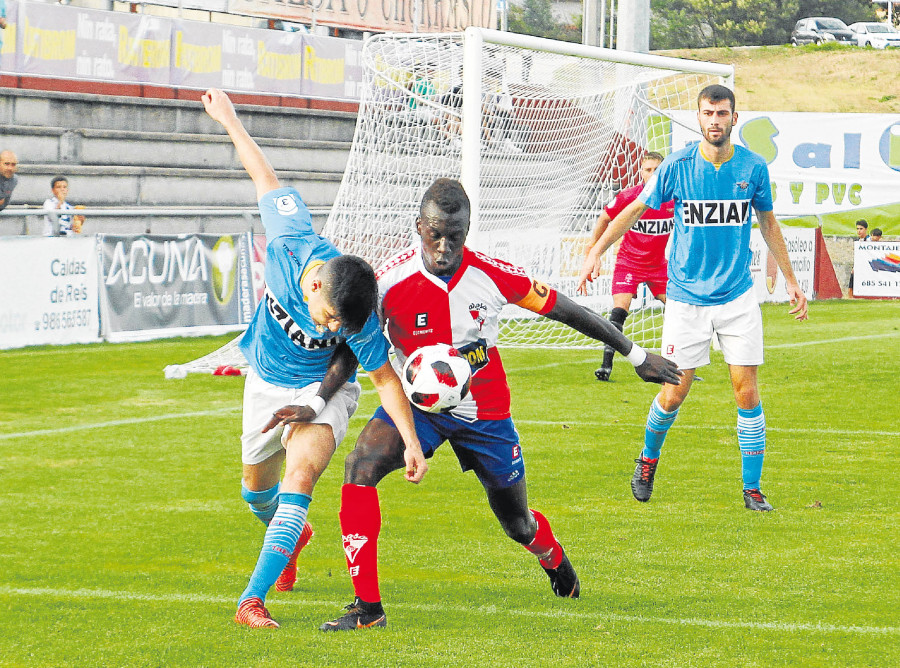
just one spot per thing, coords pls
(61, 225)
(9, 163)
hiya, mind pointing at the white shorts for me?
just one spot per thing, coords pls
(688, 331)
(261, 399)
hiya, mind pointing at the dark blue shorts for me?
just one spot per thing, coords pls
(488, 447)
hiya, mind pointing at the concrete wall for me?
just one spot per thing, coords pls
(128, 152)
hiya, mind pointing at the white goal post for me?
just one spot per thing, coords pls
(541, 133)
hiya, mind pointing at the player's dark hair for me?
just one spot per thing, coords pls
(716, 93)
(447, 194)
(653, 155)
(57, 179)
(350, 288)
(862, 222)
(877, 232)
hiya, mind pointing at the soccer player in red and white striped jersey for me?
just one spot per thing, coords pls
(440, 291)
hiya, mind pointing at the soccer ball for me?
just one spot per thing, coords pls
(436, 378)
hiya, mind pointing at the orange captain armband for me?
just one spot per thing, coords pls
(540, 298)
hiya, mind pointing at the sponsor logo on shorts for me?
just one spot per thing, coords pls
(670, 349)
(715, 212)
(513, 476)
(353, 543)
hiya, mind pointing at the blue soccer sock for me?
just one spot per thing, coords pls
(751, 433)
(263, 504)
(281, 537)
(658, 423)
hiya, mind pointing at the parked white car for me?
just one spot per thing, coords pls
(877, 35)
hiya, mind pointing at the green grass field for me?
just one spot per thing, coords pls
(124, 541)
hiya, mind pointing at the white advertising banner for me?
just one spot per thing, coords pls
(768, 281)
(876, 269)
(833, 167)
(50, 291)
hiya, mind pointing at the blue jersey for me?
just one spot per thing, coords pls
(282, 343)
(710, 257)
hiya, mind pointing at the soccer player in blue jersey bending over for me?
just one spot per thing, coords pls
(714, 185)
(316, 320)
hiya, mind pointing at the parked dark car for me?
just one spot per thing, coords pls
(821, 29)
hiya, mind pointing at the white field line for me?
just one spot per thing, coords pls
(592, 617)
(365, 417)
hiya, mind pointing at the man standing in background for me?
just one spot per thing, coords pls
(9, 163)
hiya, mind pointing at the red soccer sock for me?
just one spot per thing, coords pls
(360, 525)
(545, 546)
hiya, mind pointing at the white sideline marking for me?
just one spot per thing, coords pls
(725, 427)
(800, 344)
(118, 423)
(560, 423)
(592, 616)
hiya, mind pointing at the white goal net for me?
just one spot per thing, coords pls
(542, 135)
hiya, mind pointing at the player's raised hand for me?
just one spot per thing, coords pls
(657, 369)
(289, 414)
(416, 466)
(218, 105)
(798, 301)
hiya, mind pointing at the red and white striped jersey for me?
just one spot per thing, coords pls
(420, 309)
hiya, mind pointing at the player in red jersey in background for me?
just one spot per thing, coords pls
(641, 257)
(439, 291)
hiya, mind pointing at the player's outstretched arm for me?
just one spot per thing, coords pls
(343, 364)
(649, 366)
(771, 233)
(220, 109)
(617, 227)
(394, 401)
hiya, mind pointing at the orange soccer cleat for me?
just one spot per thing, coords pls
(288, 577)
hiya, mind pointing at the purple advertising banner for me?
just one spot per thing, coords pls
(91, 44)
(197, 56)
(331, 67)
(117, 47)
(153, 285)
(8, 51)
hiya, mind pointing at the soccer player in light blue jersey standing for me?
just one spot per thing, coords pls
(316, 320)
(714, 185)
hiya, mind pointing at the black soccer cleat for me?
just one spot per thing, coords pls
(563, 579)
(642, 480)
(359, 615)
(603, 373)
(755, 500)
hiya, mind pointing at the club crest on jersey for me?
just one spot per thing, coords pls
(478, 318)
(715, 212)
(286, 205)
(742, 185)
(353, 543)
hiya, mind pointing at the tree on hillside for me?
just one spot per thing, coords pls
(699, 23)
(535, 17)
